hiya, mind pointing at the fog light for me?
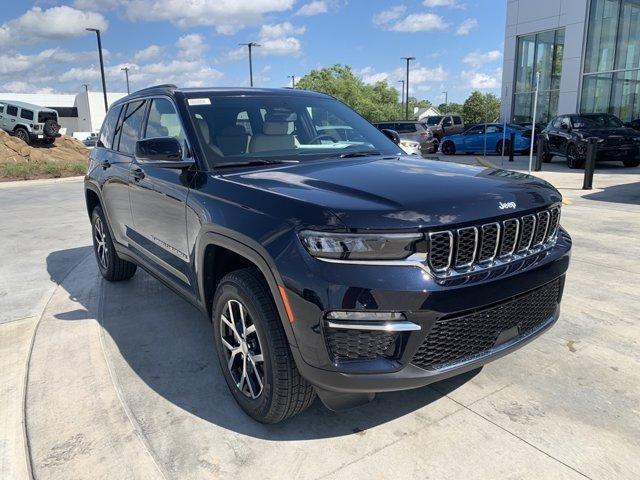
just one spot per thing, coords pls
(366, 315)
(373, 321)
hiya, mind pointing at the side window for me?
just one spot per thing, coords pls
(475, 130)
(26, 114)
(406, 128)
(1, 108)
(447, 122)
(128, 130)
(494, 129)
(163, 120)
(109, 128)
(557, 122)
(457, 121)
(11, 110)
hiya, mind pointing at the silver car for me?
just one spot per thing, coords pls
(415, 131)
(29, 122)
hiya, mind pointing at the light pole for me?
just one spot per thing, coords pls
(446, 98)
(406, 104)
(293, 80)
(250, 45)
(402, 101)
(126, 74)
(86, 87)
(104, 83)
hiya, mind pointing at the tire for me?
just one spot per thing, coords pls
(22, 134)
(573, 160)
(112, 267)
(51, 128)
(546, 156)
(631, 162)
(48, 141)
(281, 392)
(448, 148)
(507, 147)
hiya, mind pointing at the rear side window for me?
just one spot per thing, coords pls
(11, 110)
(406, 128)
(109, 128)
(457, 121)
(128, 130)
(26, 114)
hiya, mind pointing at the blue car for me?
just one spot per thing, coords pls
(474, 139)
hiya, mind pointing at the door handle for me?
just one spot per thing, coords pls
(138, 174)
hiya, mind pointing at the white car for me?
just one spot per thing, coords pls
(410, 147)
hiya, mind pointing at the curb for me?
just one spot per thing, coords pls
(40, 181)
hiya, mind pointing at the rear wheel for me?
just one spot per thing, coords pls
(253, 350)
(631, 162)
(112, 267)
(22, 134)
(573, 158)
(448, 148)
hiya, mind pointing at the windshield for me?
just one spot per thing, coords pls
(433, 120)
(281, 127)
(596, 120)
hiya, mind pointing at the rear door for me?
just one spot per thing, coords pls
(553, 135)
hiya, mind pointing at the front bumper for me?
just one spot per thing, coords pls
(423, 299)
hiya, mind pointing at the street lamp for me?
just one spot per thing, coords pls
(293, 80)
(86, 87)
(250, 45)
(406, 105)
(126, 74)
(104, 83)
(402, 101)
(446, 98)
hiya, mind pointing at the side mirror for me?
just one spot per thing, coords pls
(161, 152)
(391, 135)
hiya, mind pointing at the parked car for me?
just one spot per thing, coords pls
(635, 124)
(29, 122)
(414, 131)
(474, 140)
(340, 268)
(91, 140)
(567, 136)
(442, 125)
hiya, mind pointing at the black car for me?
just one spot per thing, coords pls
(568, 136)
(635, 124)
(333, 267)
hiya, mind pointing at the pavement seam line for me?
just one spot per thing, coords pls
(116, 386)
(521, 439)
(25, 380)
(485, 163)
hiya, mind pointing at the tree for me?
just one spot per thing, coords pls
(449, 108)
(479, 108)
(377, 102)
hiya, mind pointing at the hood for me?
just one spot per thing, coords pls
(608, 132)
(401, 192)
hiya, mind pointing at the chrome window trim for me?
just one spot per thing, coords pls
(475, 247)
(516, 239)
(450, 259)
(400, 326)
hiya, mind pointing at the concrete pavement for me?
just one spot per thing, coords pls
(123, 383)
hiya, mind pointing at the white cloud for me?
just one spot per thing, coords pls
(369, 75)
(279, 30)
(14, 64)
(191, 46)
(313, 8)
(477, 59)
(420, 78)
(480, 80)
(150, 53)
(386, 16)
(420, 22)
(465, 27)
(441, 3)
(274, 39)
(56, 23)
(226, 16)
(20, 86)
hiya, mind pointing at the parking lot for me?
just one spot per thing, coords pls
(120, 380)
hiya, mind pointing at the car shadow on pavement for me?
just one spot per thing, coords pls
(168, 347)
(628, 193)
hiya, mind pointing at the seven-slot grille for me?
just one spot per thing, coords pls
(463, 248)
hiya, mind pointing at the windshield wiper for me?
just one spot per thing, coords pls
(362, 153)
(254, 162)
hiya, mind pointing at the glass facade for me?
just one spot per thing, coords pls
(538, 53)
(611, 80)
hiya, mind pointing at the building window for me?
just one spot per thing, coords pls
(538, 53)
(611, 81)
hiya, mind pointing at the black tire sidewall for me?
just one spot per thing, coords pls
(448, 148)
(108, 272)
(20, 133)
(230, 289)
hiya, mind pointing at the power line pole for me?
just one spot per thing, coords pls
(402, 101)
(104, 83)
(293, 80)
(250, 45)
(126, 74)
(406, 104)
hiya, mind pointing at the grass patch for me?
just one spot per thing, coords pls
(29, 171)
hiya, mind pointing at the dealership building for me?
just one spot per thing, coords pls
(586, 52)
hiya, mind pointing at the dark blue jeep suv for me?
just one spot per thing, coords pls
(329, 266)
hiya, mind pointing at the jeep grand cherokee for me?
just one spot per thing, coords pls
(330, 266)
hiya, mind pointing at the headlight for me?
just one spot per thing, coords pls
(353, 246)
(409, 144)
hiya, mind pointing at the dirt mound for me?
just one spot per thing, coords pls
(64, 150)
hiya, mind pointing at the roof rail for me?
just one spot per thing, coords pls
(157, 87)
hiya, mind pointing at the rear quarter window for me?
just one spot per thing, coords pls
(457, 121)
(109, 128)
(26, 114)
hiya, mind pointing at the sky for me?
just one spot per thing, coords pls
(458, 44)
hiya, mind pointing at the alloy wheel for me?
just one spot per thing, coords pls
(243, 351)
(99, 234)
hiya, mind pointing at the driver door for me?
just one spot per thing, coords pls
(474, 139)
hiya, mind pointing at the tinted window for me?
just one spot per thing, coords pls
(1, 108)
(11, 110)
(457, 120)
(494, 129)
(434, 120)
(388, 126)
(406, 128)
(129, 128)
(163, 120)
(557, 122)
(109, 127)
(475, 130)
(26, 114)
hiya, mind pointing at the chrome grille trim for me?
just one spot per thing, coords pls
(525, 243)
(509, 251)
(460, 233)
(484, 228)
(541, 228)
(432, 235)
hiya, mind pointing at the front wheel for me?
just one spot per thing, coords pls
(448, 148)
(111, 266)
(573, 159)
(253, 350)
(22, 134)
